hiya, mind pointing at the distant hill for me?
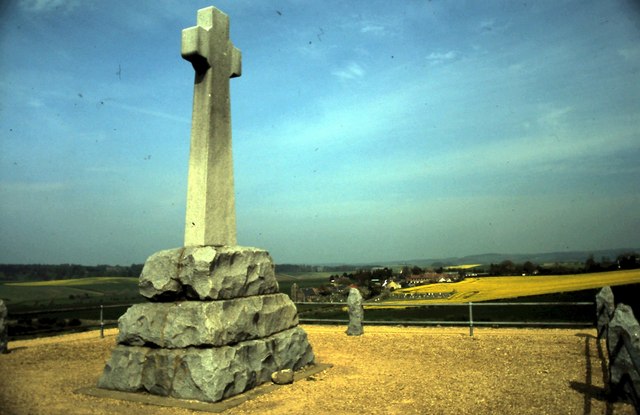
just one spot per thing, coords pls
(496, 258)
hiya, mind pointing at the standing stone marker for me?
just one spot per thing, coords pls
(216, 325)
(356, 312)
(605, 307)
(623, 328)
(4, 328)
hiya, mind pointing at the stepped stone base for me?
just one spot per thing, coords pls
(206, 323)
(216, 326)
(207, 273)
(205, 374)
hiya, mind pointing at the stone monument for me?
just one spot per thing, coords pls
(356, 312)
(215, 325)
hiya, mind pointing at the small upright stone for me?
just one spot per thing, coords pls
(605, 307)
(356, 312)
(623, 328)
(4, 328)
(295, 293)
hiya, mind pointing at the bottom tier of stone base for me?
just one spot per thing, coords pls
(205, 374)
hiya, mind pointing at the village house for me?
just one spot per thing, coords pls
(431, 278)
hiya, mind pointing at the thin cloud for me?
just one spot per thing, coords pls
(630, 54)
(352, 71)
(43, 6)
(372, 29)
(440, 57)
(32, 187)
(153, 113)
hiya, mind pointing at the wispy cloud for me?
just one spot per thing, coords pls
(630, 54)
(40, 6)
(150, 112)
(32, 187)
(351, 71)
(371, 28)
(554, 117)
(440, 57)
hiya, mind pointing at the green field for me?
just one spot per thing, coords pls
(21, 296)
(33, 304)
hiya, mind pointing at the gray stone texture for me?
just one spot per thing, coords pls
(207, 273)
(605, 306)
(211, 214)
(206, 323)
(216, 326)
(4, 328)
(623, 328)
(208, 374)
(356, 313)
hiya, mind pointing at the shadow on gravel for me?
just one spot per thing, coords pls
(587, 388)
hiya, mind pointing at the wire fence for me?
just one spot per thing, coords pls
(99, 320)
(469, 321)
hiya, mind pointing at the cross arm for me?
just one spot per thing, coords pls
(195, 48)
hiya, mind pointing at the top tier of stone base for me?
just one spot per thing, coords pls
(207, 273)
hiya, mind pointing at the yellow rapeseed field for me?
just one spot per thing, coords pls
(73, 281)
(465, 266)
(494, 288)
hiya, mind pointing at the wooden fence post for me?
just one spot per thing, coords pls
(101, 321)
(470, 319)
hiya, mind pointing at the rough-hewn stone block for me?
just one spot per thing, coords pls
(4, 328)
(623, 329)
(356, 313)
(206, 323)
(205, 374)
(207, 273)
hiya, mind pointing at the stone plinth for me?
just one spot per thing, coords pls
(215, 327)
(205, 374)
(206, 323)
(208, 273)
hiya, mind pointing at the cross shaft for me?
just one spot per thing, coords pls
(210, 216)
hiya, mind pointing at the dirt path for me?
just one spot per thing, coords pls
(389, 370)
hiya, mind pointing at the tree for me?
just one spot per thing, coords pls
(528, 268)
(507, 267)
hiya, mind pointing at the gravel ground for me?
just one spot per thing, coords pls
(389, 370)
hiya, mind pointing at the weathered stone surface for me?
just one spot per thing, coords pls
(211, 214)
(207, 273)
(605, 306)
(282, 377)
(4, 328)
(205, 374)
(206, 323)
(356, 313)
(623, 328)
(296, 293)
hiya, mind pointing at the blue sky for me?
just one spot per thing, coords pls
(363, 130)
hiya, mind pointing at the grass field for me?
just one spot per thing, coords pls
(496, 288)
(78, 291)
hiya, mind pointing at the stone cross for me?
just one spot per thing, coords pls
(211, 215)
